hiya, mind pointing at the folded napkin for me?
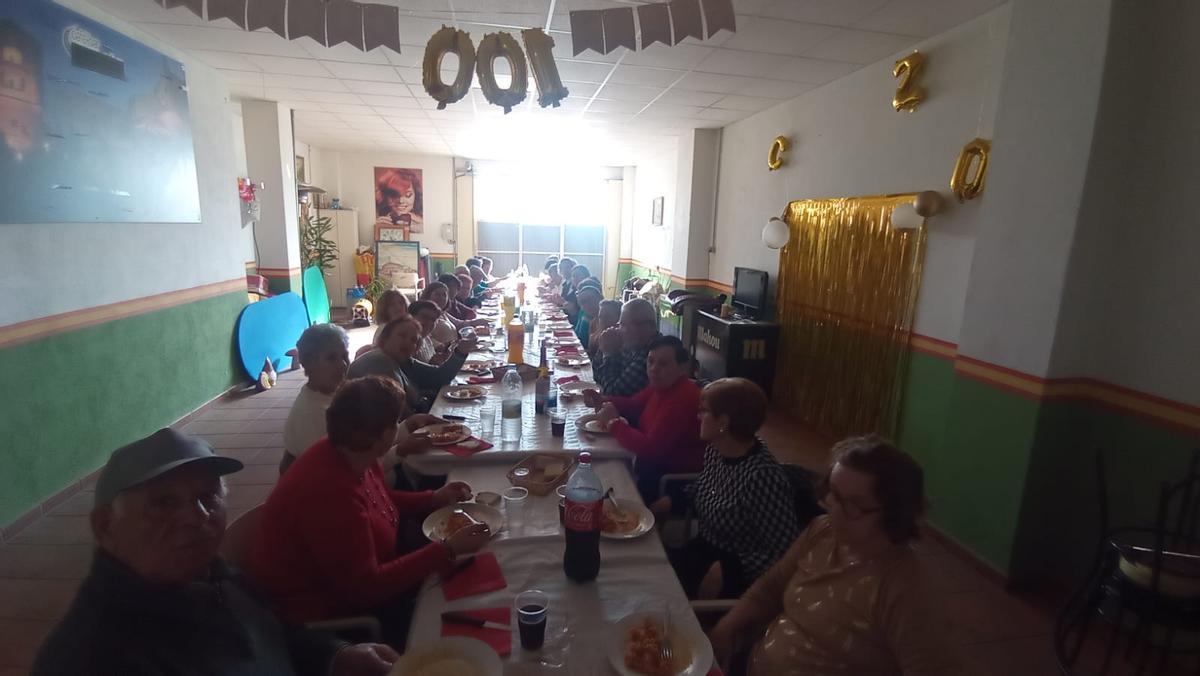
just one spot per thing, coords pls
(482, 576)
(498, 639)
(563, 333)
(567, 379)
(481, 380)
(460, 450)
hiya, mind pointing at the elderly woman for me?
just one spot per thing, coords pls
(429, 350)
(445, 326)
(454, 307)
(666, 436)
(394, 358)
(391, 305)
(575, 279)
(607, 316)
(326, 545)
(588, 298)
(743, 499)
(850, 596)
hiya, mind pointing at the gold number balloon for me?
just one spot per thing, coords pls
(540, 49)
(448, 41)
(963, 183)
(775, 155)
(908, 94)
(495, 46)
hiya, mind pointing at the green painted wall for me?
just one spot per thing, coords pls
(441, 266)
(84, 393)
(282, 285)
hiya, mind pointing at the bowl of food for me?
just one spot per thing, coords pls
(465, 393)
(447, 521)
(636, 643)
(450, 656)
(446, 434)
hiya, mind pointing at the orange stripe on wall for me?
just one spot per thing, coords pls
(42, 327)
(279, 272)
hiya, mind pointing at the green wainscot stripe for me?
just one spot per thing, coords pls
(282, 285)
(77, 396)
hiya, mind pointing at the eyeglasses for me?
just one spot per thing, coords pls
(851, 509)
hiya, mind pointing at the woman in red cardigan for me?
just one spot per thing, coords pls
(666, 433)
(326, 545)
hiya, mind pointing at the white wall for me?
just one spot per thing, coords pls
(847, 141)
(351, 176)
(52, 268)
(655, 177)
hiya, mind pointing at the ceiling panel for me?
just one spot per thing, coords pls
(923, 18)
(857, 46)
(362, 71)
(745, 103)
(776, 36)
(827, 12)
(650, 77)
(284, 65)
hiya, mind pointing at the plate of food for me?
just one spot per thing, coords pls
(573, 361)
(465, 393)
(447, 521)
(479, 364)
(450, 656)
(576, 388)
(637, 640)
(447, 433)
(629, 519)
(591, 424)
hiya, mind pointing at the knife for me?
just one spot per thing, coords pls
(457, 617)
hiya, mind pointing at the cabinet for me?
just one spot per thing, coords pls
(728, 348)
(345, 233)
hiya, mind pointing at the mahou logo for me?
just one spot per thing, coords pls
(581, 516)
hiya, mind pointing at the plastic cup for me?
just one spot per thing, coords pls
(533, 607)
(558, 421)
(515, 499)
(487, 421)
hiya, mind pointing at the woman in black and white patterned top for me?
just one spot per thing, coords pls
(743, 498)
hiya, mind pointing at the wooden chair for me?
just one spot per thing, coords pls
(235, 549)
(1144, 577)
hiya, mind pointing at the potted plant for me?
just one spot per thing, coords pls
(315, 248)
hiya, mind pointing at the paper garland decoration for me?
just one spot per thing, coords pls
(234, 10)
(328, 22)
(344, 23)
(603, 30)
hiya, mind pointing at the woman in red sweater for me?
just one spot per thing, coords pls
(326, 545)
(666, 433)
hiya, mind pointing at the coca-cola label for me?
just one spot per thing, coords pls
(582, 516)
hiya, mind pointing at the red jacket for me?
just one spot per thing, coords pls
(326, 545)
(667, 436)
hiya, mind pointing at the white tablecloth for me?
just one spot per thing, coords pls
(634, 576)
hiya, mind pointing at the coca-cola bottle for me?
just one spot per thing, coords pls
(581, 522)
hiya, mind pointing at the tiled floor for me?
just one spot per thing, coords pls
(1001, 634)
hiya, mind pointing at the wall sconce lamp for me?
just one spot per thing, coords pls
(910, 215)
(776, 233)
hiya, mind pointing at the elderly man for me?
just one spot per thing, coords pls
(159, 600)
(620, 366)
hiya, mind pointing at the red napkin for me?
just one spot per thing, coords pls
(500, 640)
(481, 380)
(715, 671)
(567, 379)
(464, 451)
(563, 333)
(478, 578)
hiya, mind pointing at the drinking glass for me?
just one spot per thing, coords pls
(487, 421)
(532, 606)
(558, 421)
(515, 499)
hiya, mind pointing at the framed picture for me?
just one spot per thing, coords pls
(400, 198)
(398, 263)
(386, 232)
(656, 213)
(301, 176)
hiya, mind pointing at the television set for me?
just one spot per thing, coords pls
(749, 292)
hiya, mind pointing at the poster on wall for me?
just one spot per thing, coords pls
(94, 126)
(399, 200)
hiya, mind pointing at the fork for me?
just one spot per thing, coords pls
(664, 648)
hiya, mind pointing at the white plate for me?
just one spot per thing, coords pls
(574, 361)
(645, 520)
(474, 652)
(577, 387)
(489, 515)
(688, 642)
(463, 434)
(466, 393)
(590, 424)
(476, 363)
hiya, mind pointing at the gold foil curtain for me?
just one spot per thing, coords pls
(848, 287)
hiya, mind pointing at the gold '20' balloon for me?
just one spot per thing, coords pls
(539, 47)
(775, 155)
(963, 183)
(502, 45)
(448, 41)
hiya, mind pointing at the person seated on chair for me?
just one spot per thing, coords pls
(743, 500)
(394, 358)
(549, 282)
(454, 306)
(607, 316)
(620, 366)
(665, 436)
(326, 545)
(850, 595)
(445, 327)
(565, 265)
(428, 350)
(588, 297)
(322, 353)
(462, 270)
(159, 599)
(570, 301)
(480, 288)
(392, 305)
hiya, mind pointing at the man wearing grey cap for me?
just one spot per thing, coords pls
(159, 600)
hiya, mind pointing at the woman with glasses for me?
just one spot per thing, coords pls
(850, 596)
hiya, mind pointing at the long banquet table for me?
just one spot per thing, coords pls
(634, 574)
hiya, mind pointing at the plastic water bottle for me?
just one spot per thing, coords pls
(510, 406)
(581, 522)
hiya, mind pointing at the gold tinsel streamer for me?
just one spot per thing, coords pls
(848, 287)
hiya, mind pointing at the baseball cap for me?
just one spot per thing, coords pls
(153, 456)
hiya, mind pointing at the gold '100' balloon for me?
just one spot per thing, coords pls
(448, 41)
(502, 45)
(539, 48)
